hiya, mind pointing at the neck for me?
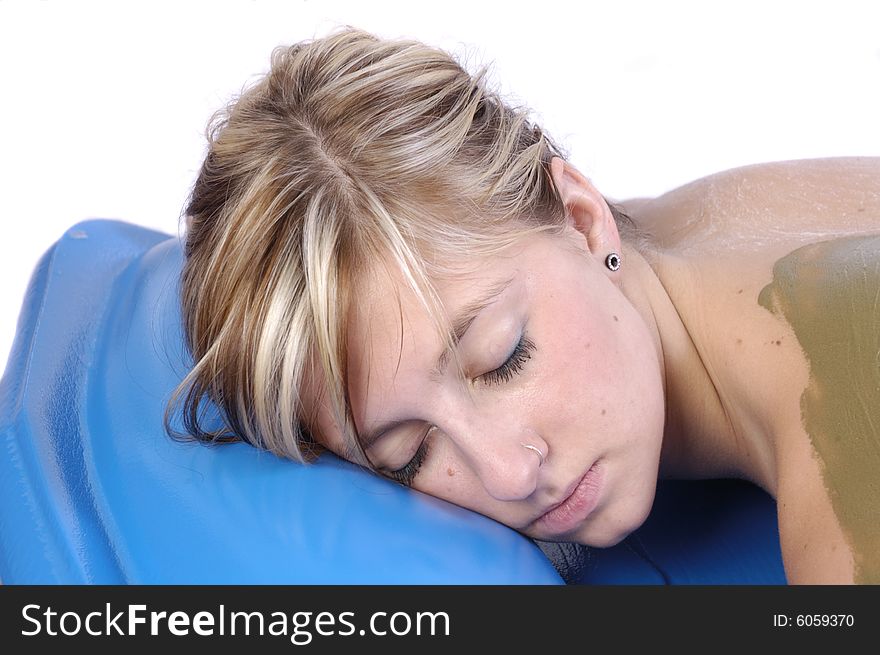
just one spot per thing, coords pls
(705, 434)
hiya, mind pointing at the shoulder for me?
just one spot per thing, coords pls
(797, 197)
(841, 174)
(778, 267)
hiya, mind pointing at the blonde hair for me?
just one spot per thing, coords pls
(352, 152)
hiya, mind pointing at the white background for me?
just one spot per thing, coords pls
(103, 105)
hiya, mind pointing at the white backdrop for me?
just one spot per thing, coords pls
(103, 104)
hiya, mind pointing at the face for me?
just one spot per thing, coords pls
(555, 358)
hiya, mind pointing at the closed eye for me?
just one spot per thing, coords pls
(504, 373)
(407, 473)
(513, 365)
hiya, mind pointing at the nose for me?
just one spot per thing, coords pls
(499, 457)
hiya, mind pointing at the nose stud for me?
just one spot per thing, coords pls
(536, 450)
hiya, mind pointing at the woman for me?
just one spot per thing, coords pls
(386, 261)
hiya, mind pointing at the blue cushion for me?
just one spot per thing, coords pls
(94, 491)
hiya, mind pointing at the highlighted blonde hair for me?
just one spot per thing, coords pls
(351, 153)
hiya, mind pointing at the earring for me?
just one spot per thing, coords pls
(612, 261)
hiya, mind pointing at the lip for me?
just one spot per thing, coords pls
(580, 501)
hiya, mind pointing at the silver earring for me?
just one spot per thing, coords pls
(536, 450)
(612, 261)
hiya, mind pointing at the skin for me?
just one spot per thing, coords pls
(668, 367)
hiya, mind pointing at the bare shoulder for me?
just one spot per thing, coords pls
(832, 178)
(810, 197)
(774, 271)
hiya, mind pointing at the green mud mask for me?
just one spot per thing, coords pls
(829, 292)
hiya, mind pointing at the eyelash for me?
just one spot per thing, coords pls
(504, 373)
(406, 474)
(514, 364)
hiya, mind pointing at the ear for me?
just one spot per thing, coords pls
(586, 209)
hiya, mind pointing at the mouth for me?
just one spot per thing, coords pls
(580, 500)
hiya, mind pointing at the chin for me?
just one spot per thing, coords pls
(618, 527)
(607, 542)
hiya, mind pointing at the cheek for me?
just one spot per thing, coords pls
(583, 322)
(446, 478)
(583, 369)
(581, 351)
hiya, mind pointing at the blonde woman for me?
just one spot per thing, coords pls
(386, 261)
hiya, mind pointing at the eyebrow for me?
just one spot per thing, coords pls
(465, 318)
(460, 325)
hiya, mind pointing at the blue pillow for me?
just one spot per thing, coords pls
(94, 491)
